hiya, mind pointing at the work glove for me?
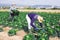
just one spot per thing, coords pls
(36, 29)
(41, 24)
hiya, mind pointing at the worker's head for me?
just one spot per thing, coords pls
(13, 4)
(40, 19)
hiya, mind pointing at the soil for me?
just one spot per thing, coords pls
(4, 35)
(54, 38)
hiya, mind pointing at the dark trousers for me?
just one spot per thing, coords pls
(11, 17)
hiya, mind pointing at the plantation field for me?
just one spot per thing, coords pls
(51, 25)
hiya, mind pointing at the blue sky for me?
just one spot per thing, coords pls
(31, 2)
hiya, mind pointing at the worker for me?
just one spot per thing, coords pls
(31, 18)
(12, 12)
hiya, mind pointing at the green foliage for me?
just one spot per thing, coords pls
(29, 37)
(12, 32)
(42, 35)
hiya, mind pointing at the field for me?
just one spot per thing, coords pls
(51, 26)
